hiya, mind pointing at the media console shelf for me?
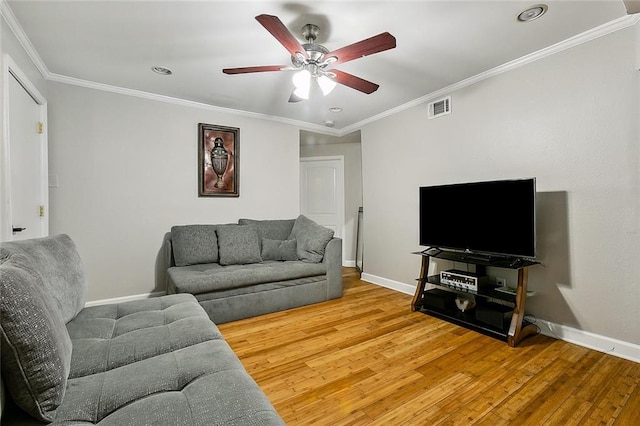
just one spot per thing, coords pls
(512, 332)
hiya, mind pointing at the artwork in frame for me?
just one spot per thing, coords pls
(218, 161)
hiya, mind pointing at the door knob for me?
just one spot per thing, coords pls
(16, 230)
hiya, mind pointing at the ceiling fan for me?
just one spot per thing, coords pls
(313, 61)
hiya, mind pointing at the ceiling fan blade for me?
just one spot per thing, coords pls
(354, 82)
(375, 44)
(277, 29)
(245, 70)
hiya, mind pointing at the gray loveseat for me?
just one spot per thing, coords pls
(254, 267)
(158, 361)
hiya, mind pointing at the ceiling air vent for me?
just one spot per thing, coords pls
(440, 107)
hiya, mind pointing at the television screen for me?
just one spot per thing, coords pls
(496, 217)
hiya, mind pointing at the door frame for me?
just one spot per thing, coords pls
(341, 202)
(11, 70)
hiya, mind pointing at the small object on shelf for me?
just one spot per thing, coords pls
(514, 291)
(464, 279)
(465, 303)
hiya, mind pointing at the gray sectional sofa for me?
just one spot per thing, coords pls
(158, 361)
(254, 267)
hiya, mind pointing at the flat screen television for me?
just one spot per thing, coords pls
(493, 218)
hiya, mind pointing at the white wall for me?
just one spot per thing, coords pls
(353, 186)
(571, 121)
(127, 171)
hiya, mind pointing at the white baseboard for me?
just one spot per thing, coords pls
(124, 299)
(349, 263)
(393, 285)
(608, 345)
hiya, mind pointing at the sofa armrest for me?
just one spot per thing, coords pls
(168, 251)
(333, 260)
(167, 261)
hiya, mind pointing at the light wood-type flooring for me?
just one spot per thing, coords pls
(366, 359)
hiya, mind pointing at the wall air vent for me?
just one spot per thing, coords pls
(440, 107)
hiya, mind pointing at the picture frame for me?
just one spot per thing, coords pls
(218, 161)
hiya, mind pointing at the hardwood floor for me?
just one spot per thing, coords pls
(366, 359)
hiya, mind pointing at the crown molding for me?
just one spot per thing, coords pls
(600, 31)
(597, 32)
(183, 102)
(24, 41)
(31, 51)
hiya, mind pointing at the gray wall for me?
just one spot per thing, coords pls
(127, 172)
(571, 120)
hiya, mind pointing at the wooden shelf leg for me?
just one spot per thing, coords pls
(422, 281)
(516, 331)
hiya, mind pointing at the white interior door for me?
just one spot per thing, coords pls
(25, 161)
(322, 191)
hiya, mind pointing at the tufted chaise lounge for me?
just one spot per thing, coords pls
(158, 361)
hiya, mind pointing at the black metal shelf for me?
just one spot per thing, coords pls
(513, 330)
(488, 292)
(478, 259)
(468, 320)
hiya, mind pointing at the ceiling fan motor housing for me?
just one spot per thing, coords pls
(316, 53)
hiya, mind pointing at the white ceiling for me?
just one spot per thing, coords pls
(439, 43)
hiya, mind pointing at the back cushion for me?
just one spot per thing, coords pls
(35, 344)
(311, 239)
(278, 229)
(57, 261)
(194, 244)
(279, 250)
(239, 244)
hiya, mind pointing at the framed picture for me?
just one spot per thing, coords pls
(218, 161)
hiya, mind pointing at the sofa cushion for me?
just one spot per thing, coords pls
(110, 336)
(311, 238)
(238, 244)
(278, 229)
(193, 244)
(197, 279)
(202, 384)
(279, 250)
(57, 261)
(35, 346)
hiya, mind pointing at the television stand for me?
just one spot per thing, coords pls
(512, 331)
(478, 257)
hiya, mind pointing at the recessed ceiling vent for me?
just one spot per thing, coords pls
(440, 107)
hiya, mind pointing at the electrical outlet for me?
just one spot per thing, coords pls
(501, 282)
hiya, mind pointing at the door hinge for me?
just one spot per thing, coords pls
(41, 211)
(40, 127)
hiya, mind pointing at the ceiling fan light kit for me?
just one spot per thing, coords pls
(302, 82)
(326, 84)
(311, 60)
